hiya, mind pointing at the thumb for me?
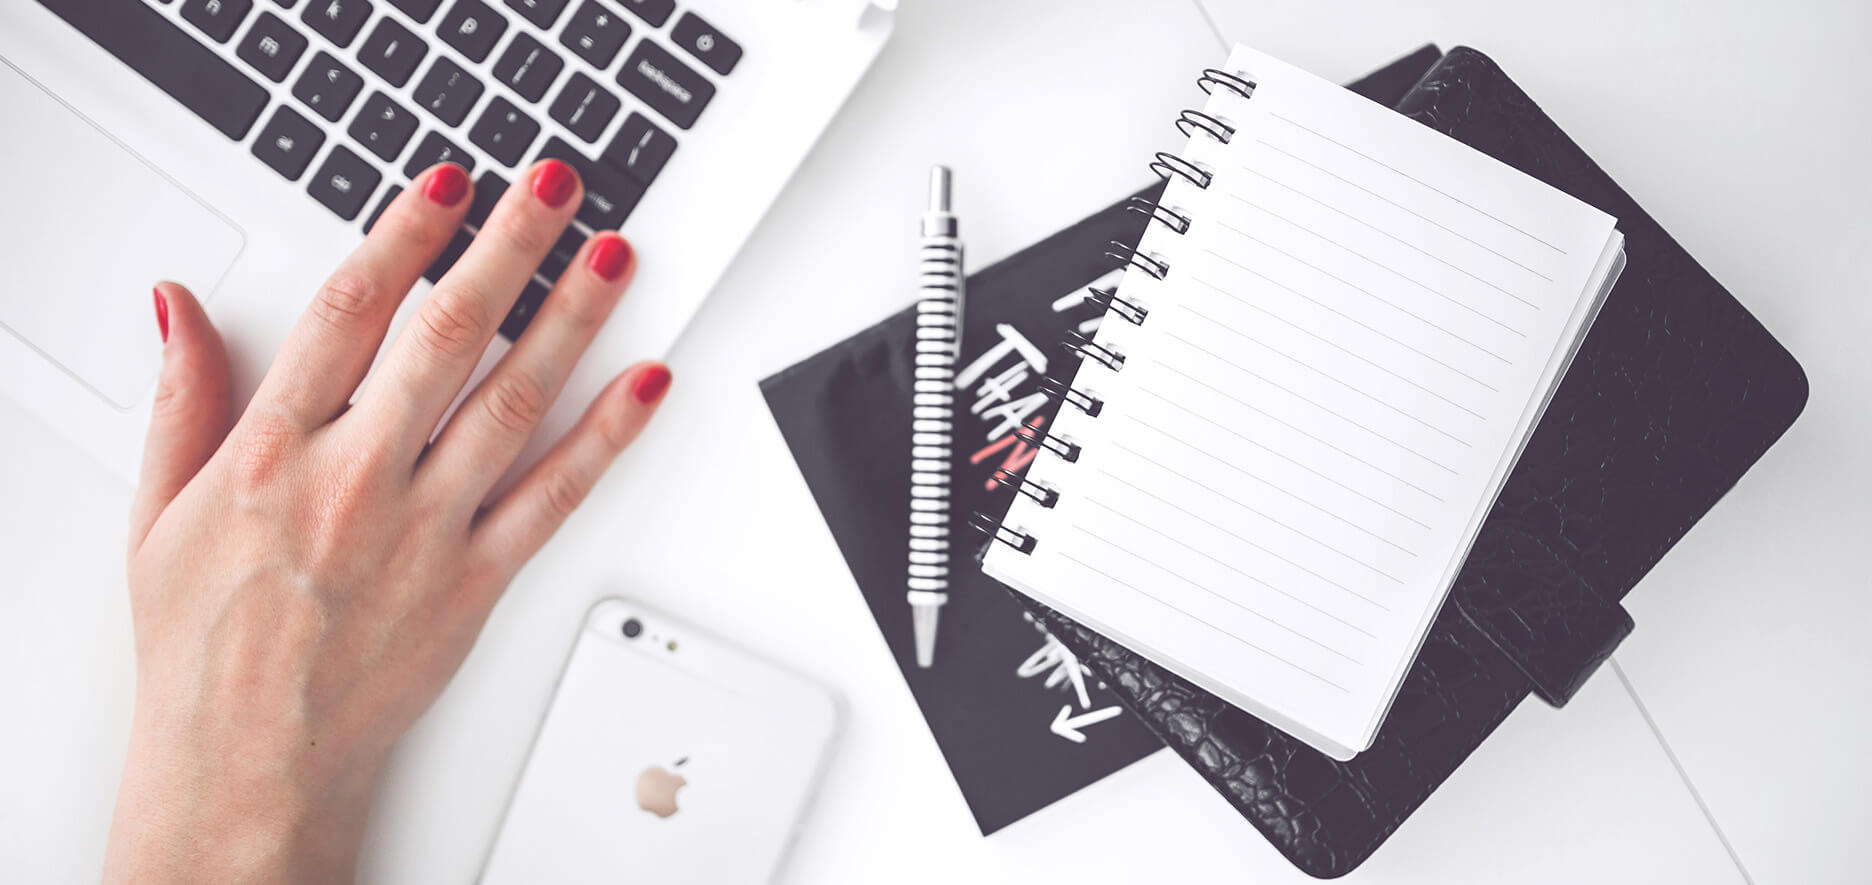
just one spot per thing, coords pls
(192, 411)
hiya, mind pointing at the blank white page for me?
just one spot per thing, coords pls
(1354, 337)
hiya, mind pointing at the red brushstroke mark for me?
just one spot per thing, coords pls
(1018, 457)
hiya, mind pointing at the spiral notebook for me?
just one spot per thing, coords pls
(1330, 350)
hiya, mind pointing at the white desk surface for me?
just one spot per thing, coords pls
(1740, 127)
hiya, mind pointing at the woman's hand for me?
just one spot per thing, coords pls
(304, 582)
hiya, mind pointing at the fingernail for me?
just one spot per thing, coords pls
(651, 384)
(162, 315)
(610, 257)
(554, 183)
(446, 186)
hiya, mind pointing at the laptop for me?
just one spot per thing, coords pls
(242, 147)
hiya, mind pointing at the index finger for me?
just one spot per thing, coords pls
(330, 348)
(425, 368)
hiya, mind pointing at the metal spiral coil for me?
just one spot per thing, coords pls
(1191, 122)
(1045, 495)
(1176, 221)
(1084, 402)
(1086, 348)
(1168, 164)
(988, 525)
(1131, 311)
(1040, 439)
(1214, 77)
(1150, 264)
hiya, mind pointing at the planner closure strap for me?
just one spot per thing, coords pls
(1541, 614)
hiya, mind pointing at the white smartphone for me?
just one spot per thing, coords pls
(666, 756)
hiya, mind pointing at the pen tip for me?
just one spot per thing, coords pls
(923, 621)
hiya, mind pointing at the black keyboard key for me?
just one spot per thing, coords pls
(388, 198)
(585, 107)
(448, 91)
(337, 20)
(504, 131)
(283, 4)
(392, 51)
(610, 195)
(528, 67)
(272, 47)
(435, 149)
(344, 182)
(641, 148)
(327, 86)
(288, 142)
(668, 86)
(219, 19)
(473, 27)
(595, 33)
(542, 13)
(523, 310)
(489, 189)
(383, 127)
(656, 12)
(562, 253)
(705, 42)
(171, 58)
(451, 253)
(420, 10)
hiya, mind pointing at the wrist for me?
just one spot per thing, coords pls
(196, 806)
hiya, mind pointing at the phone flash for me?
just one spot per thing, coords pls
(672, 645)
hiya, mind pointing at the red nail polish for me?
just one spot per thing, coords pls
(651, 385)
(447, 185)
(610, 257)
(162, 314)
(554, 183)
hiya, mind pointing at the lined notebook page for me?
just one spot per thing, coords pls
(1352, 341)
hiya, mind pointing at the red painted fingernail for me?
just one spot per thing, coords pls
(162, 314)
(447, 186)
(651, 384)
(610, 257)
(554, 183)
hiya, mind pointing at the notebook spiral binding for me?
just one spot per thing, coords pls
(1086, 348)
(1079, 399)
(1150, 264)
(1067, 450)
(1126, 309)
(992, 527)
(1046, 495)
(1191, 122)
(1160, 213)
(1213, 78)
(1165, 164)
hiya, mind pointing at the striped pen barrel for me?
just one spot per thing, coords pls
(938, 343)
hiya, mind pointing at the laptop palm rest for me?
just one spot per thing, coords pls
(88, 227)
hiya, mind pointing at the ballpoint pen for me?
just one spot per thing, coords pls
(938, 344)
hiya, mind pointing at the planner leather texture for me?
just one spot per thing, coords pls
(1676, 391)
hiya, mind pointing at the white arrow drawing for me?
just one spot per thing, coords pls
(1064, 666)
(1067, 726)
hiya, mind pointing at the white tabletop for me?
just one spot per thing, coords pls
(1742, 132)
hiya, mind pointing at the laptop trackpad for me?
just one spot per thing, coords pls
(88, 228)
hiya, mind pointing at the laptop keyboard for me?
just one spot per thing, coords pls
(521, 106)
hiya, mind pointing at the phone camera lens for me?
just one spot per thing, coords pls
(632, 628)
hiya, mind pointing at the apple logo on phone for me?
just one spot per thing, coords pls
(656, 789)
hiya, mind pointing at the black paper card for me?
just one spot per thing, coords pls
(1018, 720)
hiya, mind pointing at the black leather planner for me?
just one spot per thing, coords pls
(1675, 393)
